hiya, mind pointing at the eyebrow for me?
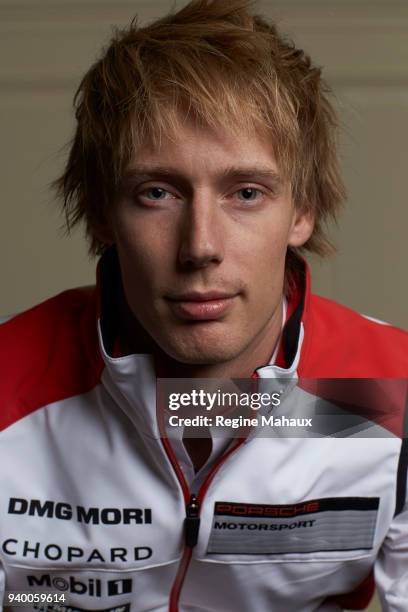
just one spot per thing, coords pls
(231, 172)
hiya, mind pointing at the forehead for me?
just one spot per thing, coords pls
(198, 149)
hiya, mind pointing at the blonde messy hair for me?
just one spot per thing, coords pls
(219, 63)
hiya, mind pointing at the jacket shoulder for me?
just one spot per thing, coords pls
(43, 353)
(342, 343)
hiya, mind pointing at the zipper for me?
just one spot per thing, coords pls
(191, 529)
(193, 502)
(192, 518)
(192, 521)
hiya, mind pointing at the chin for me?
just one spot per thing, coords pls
(205, 352)
(203, 358)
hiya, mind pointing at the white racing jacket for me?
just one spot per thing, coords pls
(95, 509)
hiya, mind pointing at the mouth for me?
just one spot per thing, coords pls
(196, 306)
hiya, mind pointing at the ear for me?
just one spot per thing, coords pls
(302, 227)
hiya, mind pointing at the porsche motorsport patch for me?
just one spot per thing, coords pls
(329, 524)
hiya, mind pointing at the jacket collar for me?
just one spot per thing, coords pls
(131, 378)
(109, 288)
(109, 291)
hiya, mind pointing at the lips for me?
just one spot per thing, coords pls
(208, 306)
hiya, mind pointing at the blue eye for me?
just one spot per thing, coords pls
(157, 193)
(249, 194)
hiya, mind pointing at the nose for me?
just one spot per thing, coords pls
(201, 240)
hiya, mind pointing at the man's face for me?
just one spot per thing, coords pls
(202, 225)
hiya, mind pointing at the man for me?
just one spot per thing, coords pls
(203, 165)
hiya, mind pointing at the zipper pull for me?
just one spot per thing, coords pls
(192, 521)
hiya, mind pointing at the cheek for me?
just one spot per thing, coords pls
(142, 244)
(132, 232)
(263, 249)
(263, 260)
